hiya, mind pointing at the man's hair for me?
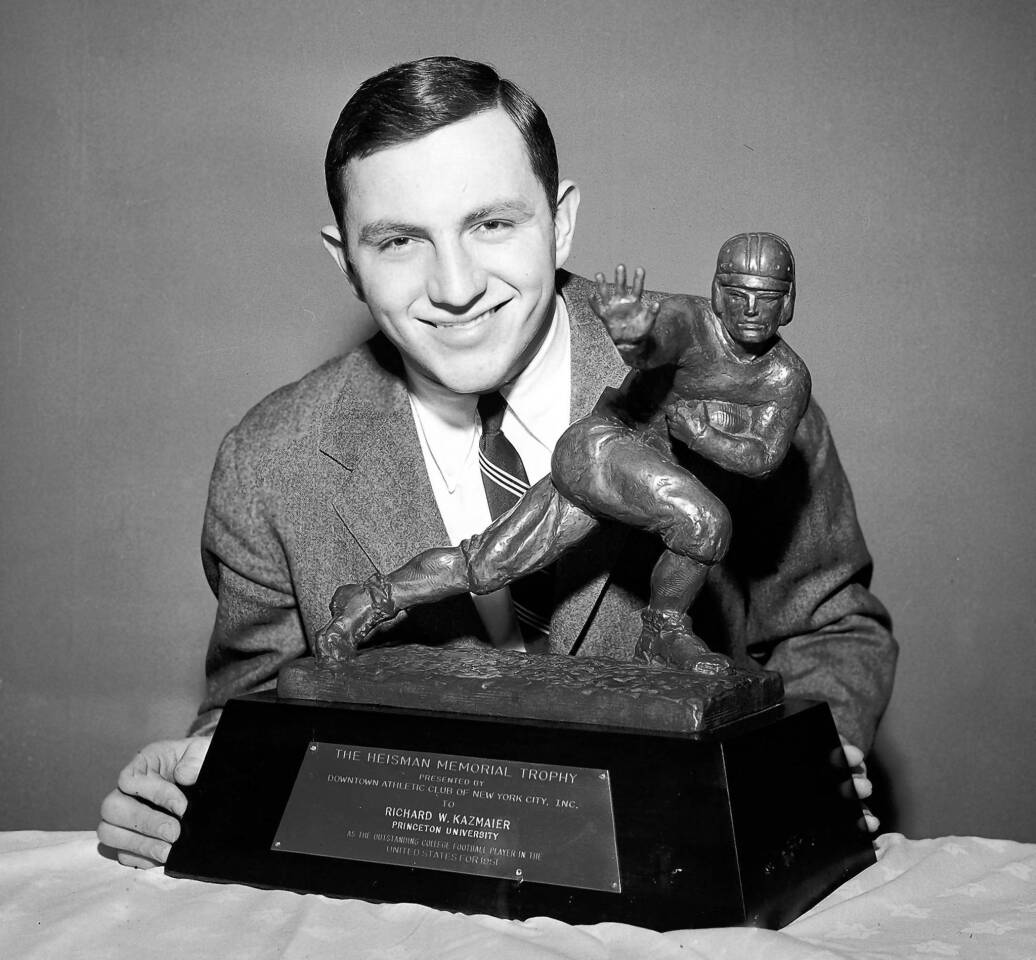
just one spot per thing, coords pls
(413, 99)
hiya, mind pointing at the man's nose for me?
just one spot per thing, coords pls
(456, 279)
(751, 308)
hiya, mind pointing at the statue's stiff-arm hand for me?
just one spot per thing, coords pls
(626, 316)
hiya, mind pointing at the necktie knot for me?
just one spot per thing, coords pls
(491, 409)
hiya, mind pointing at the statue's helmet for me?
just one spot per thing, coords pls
(756, 261)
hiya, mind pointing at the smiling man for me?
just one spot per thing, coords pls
(452, 227)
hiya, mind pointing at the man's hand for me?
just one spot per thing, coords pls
(627, 318)
(861, 782)
(140, 819)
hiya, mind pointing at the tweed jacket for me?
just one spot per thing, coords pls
(324, 483)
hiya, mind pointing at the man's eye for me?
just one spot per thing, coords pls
(494, 226)
(394, 244)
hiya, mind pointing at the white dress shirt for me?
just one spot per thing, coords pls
(449, 428)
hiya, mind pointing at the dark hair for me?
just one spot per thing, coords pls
(412, 99)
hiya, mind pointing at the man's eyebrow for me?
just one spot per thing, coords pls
(494, 208)
(378, 230)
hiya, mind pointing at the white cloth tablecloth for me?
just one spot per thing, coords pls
(952, 897)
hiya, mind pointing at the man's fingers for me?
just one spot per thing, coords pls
(864, 788)
(128, 813)
(187, 770)
(602, 286)
(138, 863)
(143, 850)
(853, 754)
(140, 819)
(620, 279)
(153, 788)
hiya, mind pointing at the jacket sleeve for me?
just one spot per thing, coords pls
(810, 614)
(258, 627)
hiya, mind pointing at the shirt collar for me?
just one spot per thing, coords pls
(533, 395)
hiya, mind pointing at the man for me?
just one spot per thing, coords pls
(452, 227)
(714, 380)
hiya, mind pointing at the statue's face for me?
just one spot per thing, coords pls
(751, 317)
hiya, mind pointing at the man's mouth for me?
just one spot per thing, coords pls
(464, 324)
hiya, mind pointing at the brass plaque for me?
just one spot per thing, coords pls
(533, 822)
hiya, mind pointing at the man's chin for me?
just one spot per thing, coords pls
(473, 374)
(482, 371)
(477, 383)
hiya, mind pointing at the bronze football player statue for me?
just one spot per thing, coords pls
(715, 378)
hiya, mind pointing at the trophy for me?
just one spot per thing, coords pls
(674, 790)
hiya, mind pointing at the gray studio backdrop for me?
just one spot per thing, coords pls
(161, 271)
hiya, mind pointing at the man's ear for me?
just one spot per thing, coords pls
(335, 246)
(565, 221)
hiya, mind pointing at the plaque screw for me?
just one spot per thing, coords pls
(615, 886)
(276, 843)
(313, 746)
(602, 776)
(518, 872)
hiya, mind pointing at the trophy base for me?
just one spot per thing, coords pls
(752, 823)
(553, 687)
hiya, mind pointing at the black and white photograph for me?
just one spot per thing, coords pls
(518, 479)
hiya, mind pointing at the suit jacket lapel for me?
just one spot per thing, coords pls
(583, 573)
(596, 363)
(385, 498)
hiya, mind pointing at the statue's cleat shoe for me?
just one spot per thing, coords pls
(667, 640)
(332, 644)
(357, 610)
(712, 665)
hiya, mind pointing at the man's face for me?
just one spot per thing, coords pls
(751, 317)
(451, 242)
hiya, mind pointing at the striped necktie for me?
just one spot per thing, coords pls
(505, 480)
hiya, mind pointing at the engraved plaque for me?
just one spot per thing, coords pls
(522, 821)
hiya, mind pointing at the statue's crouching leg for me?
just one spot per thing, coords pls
(613, 470)
(695, 527)
(537, 530)
(529, 537)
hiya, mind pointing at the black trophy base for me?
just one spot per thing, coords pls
(750, 824)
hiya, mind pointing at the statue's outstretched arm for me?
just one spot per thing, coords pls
(644, 338)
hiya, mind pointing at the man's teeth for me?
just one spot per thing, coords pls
(460, 324)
